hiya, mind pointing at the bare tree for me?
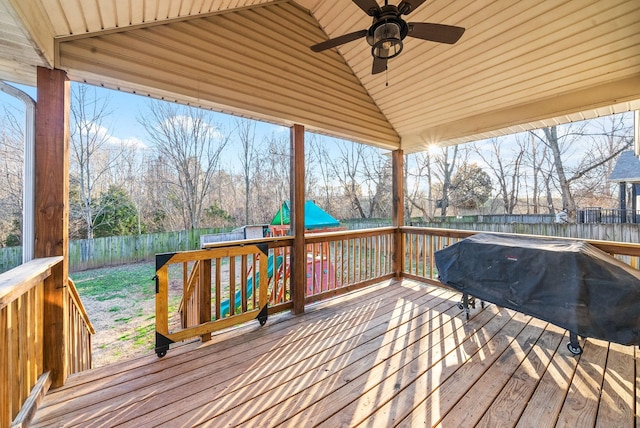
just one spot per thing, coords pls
(505, 168)
(346, 167)
(607, 137)
(130, 175)
(320, 157)
(11, 164)
(445, 163)
(563, 145)
(377, 173)
(189, 145)
(248, 157)
(90, 157)
(363, 176)
(414, 190)
(275, 172)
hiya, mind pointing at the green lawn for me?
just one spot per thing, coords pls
(120, 302)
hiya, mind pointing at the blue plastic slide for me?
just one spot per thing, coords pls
(224, 305)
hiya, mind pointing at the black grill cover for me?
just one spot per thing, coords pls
(568, 283)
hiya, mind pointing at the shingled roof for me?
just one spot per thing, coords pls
(627, 168)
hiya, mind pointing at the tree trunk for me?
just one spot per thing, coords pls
(568, 202)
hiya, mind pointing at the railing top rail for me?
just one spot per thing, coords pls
(309, 237)
(21, 279)
(73, 292)
(241, 242)
(612, 247)
(341, 234)
(450, 233)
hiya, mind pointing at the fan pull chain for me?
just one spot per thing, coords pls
(386, 76)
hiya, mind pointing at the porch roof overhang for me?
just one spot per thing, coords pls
(519, 65)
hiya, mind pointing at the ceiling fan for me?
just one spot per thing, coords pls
(389, 30)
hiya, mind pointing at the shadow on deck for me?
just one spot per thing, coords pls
(398, 353)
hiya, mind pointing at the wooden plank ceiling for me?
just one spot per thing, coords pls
(519, 65)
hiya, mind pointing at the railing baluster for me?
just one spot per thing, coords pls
(243, 283)
(232, 285)
(218, 287)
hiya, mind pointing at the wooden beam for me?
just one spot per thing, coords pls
(397, 160)
(38, 25)
(298, 252)
(52, 212)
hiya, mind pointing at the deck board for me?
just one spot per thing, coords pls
(398, 353)
(615, 408)
(517, 391)
(581, 405)
(473, 404)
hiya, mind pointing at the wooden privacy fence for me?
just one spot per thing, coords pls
(10, 257)
(202, 291)
(44, 336)
(117, 250)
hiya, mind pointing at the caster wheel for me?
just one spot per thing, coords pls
(262, 321)
(460, 306)
(575, 350)
(467, 316)
(161, 354)
(482, 304)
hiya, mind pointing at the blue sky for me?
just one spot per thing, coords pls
(123, 124)
(125, 110)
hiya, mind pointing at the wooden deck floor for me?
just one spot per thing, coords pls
(398, 353)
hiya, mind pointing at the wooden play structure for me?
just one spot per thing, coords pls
(320, 270)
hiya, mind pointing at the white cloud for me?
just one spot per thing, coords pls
(102, 134)
(132, 142)
(188, 123)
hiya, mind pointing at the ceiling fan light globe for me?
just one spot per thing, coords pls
(387, 41)
(387, 49)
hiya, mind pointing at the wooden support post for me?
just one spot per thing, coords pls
(298, 252)
(52, 212)
(634, 203)
(623, 202)
(204, 299)
(397, 159)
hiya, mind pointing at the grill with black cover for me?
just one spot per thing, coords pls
(568, 283)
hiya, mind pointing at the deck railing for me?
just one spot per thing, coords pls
(338, 262)
(199, 292)
(31, 338)
(221, 286)
(421, 243)
(79, 331)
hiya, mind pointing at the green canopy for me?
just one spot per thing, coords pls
(314, 216)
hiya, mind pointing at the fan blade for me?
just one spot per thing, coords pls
(332, 43)
(370, 7)
(379, 65)
(409, 6)
(435, 32)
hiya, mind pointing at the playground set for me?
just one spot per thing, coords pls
(321, 274)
